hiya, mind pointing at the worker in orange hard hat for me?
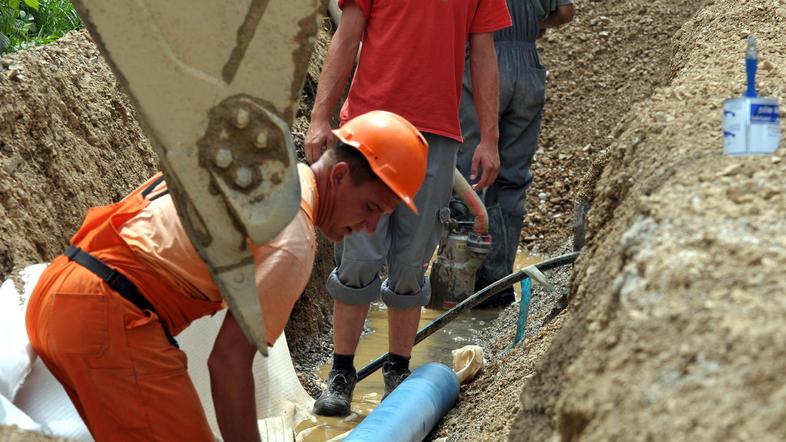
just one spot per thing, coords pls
(104, 315)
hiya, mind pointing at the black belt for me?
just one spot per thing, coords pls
(116, 282)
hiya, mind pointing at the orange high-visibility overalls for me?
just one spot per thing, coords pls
(125, 378)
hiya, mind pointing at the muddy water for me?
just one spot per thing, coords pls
(368, 393)
(436, 348)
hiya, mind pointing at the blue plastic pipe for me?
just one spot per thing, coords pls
(410, 412)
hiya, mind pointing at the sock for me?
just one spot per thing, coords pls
(398, 362)
(343, 362)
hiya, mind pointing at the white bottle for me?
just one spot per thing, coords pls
(751, 125)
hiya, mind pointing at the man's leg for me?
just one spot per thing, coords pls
(403, 326)
(127, 381)
(413, 240)
(519, 131)
(351, 317)
(354, 284)
(522, 95)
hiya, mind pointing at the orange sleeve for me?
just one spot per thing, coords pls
(281, 278)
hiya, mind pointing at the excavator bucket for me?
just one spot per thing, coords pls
(216, 86)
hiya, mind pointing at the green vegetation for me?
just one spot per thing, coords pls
(25, 23)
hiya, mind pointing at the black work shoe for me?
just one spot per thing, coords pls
(337, 397)
(392, 378)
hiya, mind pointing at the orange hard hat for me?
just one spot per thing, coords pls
(395, 149)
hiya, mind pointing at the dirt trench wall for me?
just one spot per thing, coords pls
(611, 56)
(677, 326)
(69, 140)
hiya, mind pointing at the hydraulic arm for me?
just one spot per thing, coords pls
(216, 86)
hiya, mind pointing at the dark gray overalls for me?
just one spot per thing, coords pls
(522, 85)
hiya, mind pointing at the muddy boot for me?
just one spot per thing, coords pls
(392, 378)
(337, 397)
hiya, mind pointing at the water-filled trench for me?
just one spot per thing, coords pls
(463, 330)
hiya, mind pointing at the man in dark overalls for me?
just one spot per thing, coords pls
(522, 93)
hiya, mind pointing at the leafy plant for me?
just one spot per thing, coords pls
(25, 23)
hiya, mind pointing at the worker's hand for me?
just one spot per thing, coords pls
(319, 138)
(485, 160)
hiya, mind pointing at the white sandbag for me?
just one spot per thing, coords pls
(278, 390)
(46, 402)
(468, 361)
(41, 397)
(16, 356)
(11, 415)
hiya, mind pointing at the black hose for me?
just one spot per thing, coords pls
(482, 295)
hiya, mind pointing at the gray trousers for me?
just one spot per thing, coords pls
(404, 241)
(522, 86)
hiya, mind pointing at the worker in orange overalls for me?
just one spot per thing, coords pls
(104, 314)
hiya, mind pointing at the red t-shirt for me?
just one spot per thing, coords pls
(412, 60)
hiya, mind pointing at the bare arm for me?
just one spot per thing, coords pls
(563, 15)
(485, 90)
(338, 64)
(232, 383)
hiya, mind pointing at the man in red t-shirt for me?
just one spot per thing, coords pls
(411, 64)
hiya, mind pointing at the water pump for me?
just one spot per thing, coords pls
(463, 248)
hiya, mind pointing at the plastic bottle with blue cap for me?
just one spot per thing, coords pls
(751, 124)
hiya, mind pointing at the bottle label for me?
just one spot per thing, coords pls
(751, 126)
(764, 113)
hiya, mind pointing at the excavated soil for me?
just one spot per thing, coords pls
(69, 140)
(15, 434)
(612, 55)
(676, 327)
